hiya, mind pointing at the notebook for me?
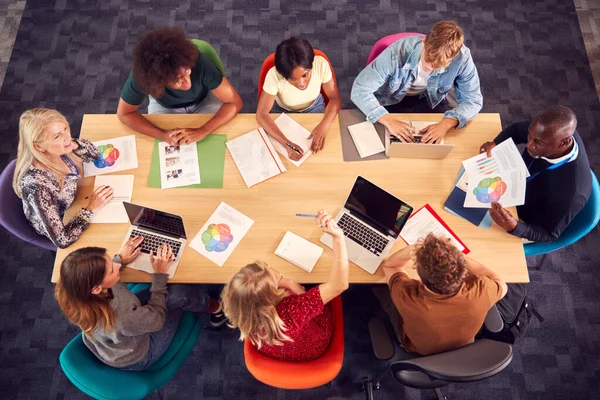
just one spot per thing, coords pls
(114, 211)
(299, 251)
(295, 133)
(255, 157)
(366, 139)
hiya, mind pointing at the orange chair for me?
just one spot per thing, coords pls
(301, 375)
(270, 63)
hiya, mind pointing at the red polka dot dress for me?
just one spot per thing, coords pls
(309, 323)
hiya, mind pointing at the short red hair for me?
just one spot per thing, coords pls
(443, 42)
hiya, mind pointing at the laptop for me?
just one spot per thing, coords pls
(371, 220)
(157, 227)
(396, 148)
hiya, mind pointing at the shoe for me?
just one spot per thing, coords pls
(217, 319)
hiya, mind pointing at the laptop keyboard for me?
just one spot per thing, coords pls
(416, 139)
(361, 234)
(152, 242)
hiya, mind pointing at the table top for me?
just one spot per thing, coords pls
(324, 181)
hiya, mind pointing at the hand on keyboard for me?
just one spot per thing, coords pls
(131, 249)
(160, 261)
(328, 224)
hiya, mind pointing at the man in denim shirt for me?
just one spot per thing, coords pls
(414, 75)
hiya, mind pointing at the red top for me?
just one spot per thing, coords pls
(308, 322)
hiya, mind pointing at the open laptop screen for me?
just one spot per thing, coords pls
(377, 207)
(155, 220)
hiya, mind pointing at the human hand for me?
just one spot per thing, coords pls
(99, 198)
(293, 154)
(328, 224)
(400, 129)
(160, 261)
(434, 133)
(187, 135)
(503, 217)
(487, 148)
(318, 137)
(131, 249)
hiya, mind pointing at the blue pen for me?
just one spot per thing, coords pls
(307, 215)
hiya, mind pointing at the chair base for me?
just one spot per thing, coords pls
(370, 385)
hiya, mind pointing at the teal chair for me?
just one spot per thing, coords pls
(580, 226)
(98, 380)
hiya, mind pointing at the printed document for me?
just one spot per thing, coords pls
(114, 211)
(178, 165)
(296, 133)
(424, 222)
(116, 154)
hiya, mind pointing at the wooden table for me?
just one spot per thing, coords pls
(323, 181)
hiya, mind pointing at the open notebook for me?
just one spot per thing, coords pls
(295, 133)
(366, 139)
(299, 251)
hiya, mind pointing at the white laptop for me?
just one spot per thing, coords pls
(157, 227)
(396, 148)
(371, 220)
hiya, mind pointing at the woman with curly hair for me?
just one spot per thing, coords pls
(446, 308)
(180, 80)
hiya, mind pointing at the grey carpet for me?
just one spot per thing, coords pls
(74, 56)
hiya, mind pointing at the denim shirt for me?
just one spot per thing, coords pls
(387, 79)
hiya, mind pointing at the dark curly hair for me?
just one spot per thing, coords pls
(440, 265)
(291, 53)
(159, 55)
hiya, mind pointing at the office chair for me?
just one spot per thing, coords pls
(386, 41)
(479, 360)
(12, 217)
(580, 226)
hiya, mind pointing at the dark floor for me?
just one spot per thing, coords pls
(74, 56)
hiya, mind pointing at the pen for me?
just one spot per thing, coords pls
(292, 147)
(307, 215)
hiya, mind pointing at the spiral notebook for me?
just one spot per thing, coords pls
(299, 251)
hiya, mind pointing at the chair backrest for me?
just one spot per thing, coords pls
(209, 52)
(11, 212)
(384, 43)
(270, 63)
(581, 225)
(479, 360)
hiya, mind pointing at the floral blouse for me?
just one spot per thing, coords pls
(44, 204)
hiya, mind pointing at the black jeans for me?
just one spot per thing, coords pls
(417, 105)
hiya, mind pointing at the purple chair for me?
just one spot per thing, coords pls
(384, 42)
(11, 212)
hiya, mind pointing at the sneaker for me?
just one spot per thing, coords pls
(217, 319)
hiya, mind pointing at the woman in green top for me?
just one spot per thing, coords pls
(169, 67)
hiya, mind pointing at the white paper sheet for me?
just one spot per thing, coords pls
(114, 212)
(221, 234)
(255, 157)
(178, 165)
(295, 133)
(421, 224)
(116, 154)
(299, 251)
(366, 139)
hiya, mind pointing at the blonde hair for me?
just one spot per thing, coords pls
(443, 42)
(32, 130)
(250, 302)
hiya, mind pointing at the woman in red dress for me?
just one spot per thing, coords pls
(281, 318)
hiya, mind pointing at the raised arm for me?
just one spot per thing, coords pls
(338, 281)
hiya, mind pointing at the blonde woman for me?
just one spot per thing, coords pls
(277, 315)
(49, 165)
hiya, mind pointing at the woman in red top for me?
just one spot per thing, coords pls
(278, 315)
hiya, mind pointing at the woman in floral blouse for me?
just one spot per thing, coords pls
(49, 165)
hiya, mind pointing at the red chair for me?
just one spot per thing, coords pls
(384, 43)
(301, 375)
(270, 63)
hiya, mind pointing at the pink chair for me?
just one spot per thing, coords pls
(384, 42)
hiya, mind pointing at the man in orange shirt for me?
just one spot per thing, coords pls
(446, 309)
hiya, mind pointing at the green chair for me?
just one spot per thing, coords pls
(209, 52)
(100, 381)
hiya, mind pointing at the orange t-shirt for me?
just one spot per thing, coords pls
(433, 323)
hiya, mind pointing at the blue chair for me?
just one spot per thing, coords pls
(11, 212)
(100, 381)
(580, 226)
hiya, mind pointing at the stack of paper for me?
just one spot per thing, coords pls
(116, 154)
(499, 178)
(295, 133)
(114, 211)
(255, 157)
(366, 139)
(178, 165)
(221, 234)
(299, 251)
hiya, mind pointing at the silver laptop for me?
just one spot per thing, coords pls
(396, 148)
(157, 227)
(371, 220)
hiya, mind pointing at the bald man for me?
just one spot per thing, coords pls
(560, 182)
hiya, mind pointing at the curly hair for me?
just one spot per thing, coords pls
(440, 265)
(158, 57)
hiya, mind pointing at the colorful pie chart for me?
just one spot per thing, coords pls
(108, 156)
(490, 190)
(217, 237)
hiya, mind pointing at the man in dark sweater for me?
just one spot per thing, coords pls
(560, 181)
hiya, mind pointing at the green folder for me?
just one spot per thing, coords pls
(211, 159)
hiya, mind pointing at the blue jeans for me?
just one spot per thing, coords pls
(180, 298)
(209, 105)
(317, 107)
